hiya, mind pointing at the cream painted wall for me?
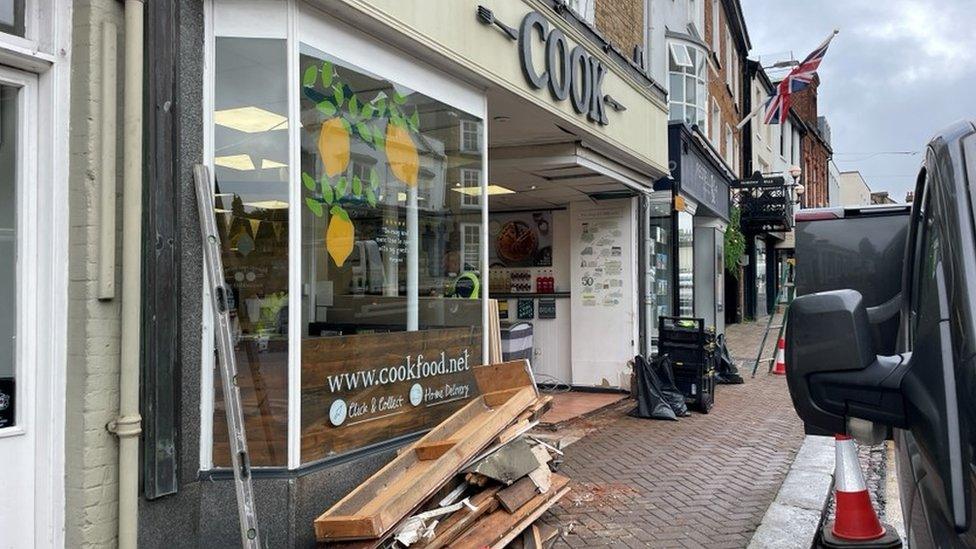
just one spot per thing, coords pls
(450, 29)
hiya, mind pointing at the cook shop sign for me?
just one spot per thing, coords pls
(569, 72)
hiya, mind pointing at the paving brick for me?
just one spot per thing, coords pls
(703, 481)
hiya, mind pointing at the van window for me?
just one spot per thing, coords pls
(927, 254)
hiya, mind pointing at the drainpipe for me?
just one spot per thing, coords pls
(128, 425)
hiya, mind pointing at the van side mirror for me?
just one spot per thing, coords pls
(831, 369)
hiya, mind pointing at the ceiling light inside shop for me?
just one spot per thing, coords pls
(268, 164)
(492, 189)
(240, 162)
(268, 204)
(250, 120)
(402, 197)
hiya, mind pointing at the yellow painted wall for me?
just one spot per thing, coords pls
(451, 28)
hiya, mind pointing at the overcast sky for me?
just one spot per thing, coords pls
(898, 72)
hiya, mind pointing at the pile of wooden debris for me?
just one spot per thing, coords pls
(478, 479)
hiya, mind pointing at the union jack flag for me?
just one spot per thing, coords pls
(778, 104)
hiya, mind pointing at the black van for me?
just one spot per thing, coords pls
(886, 332)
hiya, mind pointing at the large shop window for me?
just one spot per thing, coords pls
(251, 200)
(686, 264)
(661, 233)
(351, 214)
(391, 255)
(687, 97)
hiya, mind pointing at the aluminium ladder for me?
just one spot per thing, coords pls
(219, 298)
(783, 296)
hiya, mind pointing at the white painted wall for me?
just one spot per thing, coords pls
(854, 190)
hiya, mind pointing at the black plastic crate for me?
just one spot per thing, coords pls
(691, 349)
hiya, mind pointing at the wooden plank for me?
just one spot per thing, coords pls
(433, 450)
(512, 431)
(499, 528)
(452, 527)
(497, 398)
(406, 482)
(506, 375)
(354, 526)
(532, 538)
(515, 496)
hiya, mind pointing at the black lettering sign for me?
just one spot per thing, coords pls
(573, 73)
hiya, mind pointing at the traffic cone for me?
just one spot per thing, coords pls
(779, 368)
(856, 523)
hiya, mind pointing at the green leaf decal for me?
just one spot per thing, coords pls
(379, 138)
(370, 197)
(326, 74)
(357, 186)
(314, 205)
(308, 181)
(326, 108)
(364, 132)
(341, 187)
(310, 75)
(339, 95)
(415, 120)
(381, 106)
(327, 193)
(354, 105)
(339, 211)
(367, 111)
(374, 179)
(399, 99)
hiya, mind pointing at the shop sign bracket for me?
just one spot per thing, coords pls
(220, 296)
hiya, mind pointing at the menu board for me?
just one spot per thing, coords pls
(364, 389)
(600, 258)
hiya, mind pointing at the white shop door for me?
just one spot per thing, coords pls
(25, 434)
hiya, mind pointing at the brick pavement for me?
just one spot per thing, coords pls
(702, 481)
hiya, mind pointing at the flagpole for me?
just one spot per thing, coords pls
(752, 115)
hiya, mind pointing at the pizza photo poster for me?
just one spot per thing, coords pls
(520, 239)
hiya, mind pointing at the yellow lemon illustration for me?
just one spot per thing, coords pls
(339, 238)
(334, 146)
(401, 153)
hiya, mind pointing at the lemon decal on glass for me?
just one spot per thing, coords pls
(380, 123)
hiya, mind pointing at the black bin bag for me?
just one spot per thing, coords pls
(651, 403)
(726, 372)
(672, 395)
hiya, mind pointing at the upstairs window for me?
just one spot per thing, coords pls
(687, 84)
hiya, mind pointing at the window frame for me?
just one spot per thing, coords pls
(694, 69)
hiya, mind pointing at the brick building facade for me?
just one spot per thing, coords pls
(816, 149)
(728, 41)
(621, 22)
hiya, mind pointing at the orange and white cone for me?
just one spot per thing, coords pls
(856, 523)
(856, 519)
(779, 367)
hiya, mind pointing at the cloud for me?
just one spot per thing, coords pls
(897, 73)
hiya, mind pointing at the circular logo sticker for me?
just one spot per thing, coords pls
(416, 394)
(337, 412)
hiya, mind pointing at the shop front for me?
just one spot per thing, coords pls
(766, 218)
(378, 176)
(699, 183)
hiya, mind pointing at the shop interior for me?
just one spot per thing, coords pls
(563, 246)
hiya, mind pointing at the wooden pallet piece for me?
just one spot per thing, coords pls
(532, 538)
(453, 526)
(518, 494)
(499, 528)
(502, 376)
(494, 333)
(433, 450)
(375, 507)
